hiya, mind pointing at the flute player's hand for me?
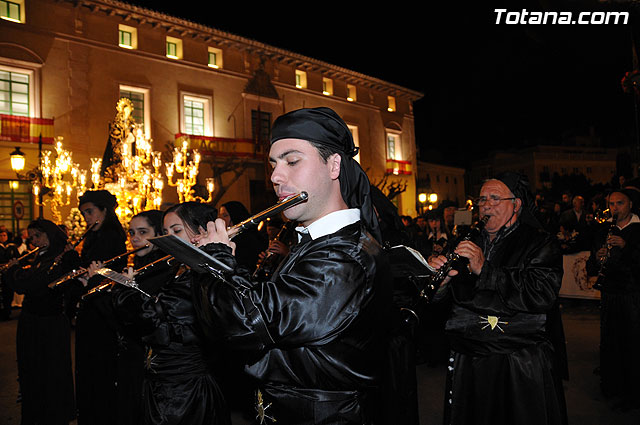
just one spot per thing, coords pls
(216, 233)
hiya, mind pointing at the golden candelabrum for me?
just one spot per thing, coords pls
(133, 175)
(59, 177)
(139, 180)
(189, 174)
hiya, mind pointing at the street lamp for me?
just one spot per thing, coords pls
(433, 198)
(422, 198)
(17, 160)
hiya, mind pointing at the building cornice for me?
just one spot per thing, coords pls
(185, 28)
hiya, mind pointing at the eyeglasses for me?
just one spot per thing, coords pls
(492, 200)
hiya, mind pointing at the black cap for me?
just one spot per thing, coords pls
(324, 127)
(100, 198)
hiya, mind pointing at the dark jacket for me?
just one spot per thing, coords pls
(316, 330)
(501, 326)
(621, 271)
(43, 339)
(179, 387)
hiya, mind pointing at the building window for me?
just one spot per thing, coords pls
(139, 97)
(196, 115)
(12, 10)
(127, 37)
(351, 93)
(301, 79)
(391, 104)
(174, 48)
(356, 141)
(14, 93)
(393, 146)
(260, 126)
(327, 86)
(215, 58)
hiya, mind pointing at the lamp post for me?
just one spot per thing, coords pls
(433, 198)
(17, 160)
(422, 198)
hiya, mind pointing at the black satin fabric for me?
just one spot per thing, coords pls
(96, 338)
(43, 341)
(506, 372)
(179, 387)
(620, 315)
(317, 330)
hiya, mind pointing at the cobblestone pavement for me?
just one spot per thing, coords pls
(586, 406)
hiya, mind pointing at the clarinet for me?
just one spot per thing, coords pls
(268, 264)
(434, 282)
(605, 258)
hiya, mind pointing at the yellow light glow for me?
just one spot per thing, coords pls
(17, 160)
(422, 197)
(433, 198)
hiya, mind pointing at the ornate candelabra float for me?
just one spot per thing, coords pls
(134, 172)
(189, 172)
(59, 177)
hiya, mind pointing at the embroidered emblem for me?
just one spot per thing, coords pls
(262, 409)
(493, 321)
(150, 360)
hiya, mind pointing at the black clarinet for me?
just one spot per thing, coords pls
(605, 259)
(268, 264)
(433, 283)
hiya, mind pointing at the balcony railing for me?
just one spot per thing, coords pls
(14, 128)
(221, 146)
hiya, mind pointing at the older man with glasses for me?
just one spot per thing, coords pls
(503, 367)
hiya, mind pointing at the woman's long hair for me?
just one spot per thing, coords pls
(154, 219)
(194, 215)
(57, 238)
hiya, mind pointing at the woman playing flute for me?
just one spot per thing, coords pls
(179, 385)
(43, 340)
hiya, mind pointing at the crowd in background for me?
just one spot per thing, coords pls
(574, 220)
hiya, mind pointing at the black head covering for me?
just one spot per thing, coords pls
(448, 203)
(57, 237)
(324, 127)
(633, 193)
(518, 184)
(237, 211)
(100, 198)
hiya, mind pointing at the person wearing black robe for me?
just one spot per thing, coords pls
(96, 338)
(615, 259)
(503, 367)
(317, 330)
(399, 394)
(131, 351)
(8, 251)
(43, 339)
(179, 386)
(250, 243)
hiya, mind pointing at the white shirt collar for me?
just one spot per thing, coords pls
(634, 219)
(330, 223)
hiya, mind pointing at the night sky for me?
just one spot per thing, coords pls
(485, 86)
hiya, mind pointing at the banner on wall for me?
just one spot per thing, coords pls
(25, 129)
(575, 282)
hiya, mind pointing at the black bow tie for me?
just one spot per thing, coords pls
(304, 237)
